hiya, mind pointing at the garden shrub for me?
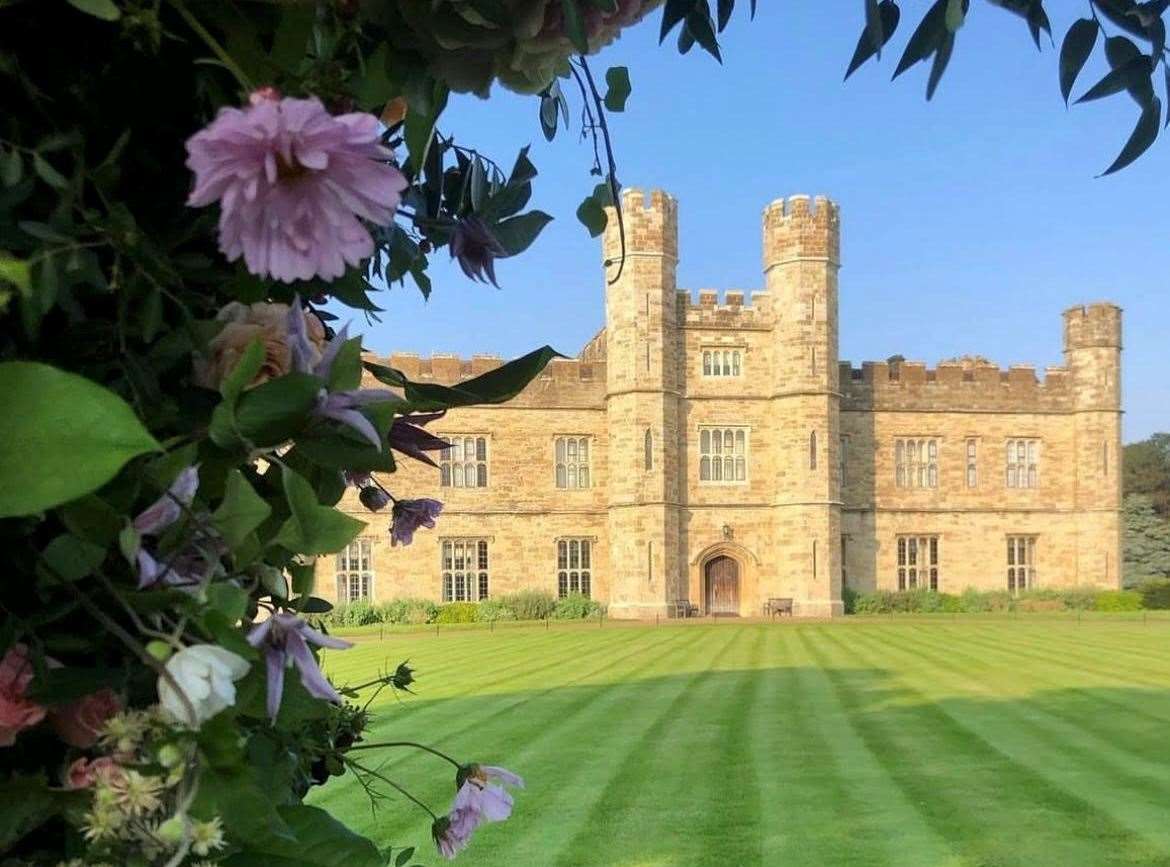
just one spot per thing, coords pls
(492, 610)
(1080, 598)
(576, 606)
(458, 612)
(411, 611)
(1155, 595)
(1035, 604)
(530, 604)
(849, 599)
(1118, 600)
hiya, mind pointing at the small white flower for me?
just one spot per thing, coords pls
(206, 674)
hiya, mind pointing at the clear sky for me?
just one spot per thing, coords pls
(968, 223)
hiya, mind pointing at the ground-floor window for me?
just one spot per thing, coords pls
(355, 572)
(1021, 562)
(465, 570)
(917, 562)
(574, 567)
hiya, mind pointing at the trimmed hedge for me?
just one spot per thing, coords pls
(523, 605)
(972, 601)
(575, 606)
(458, 612)
(1155, 595)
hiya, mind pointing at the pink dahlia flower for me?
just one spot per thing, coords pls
(292, 182)
(17, 712)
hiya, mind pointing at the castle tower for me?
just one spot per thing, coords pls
(642, 405)
(1092, 351)
(801, 259)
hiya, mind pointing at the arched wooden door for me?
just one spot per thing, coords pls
(721, 586)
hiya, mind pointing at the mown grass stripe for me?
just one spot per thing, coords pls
(967, 782)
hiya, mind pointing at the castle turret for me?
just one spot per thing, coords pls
(1092, 350)
(642, 405)
(802, 254)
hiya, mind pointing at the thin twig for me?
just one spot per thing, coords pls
(432, 750)
(378, 776)
(612, 178)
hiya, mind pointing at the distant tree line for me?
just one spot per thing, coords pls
(1146, 507)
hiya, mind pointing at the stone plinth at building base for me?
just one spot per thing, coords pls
(710, 447)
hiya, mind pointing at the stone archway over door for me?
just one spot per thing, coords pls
(721, 586)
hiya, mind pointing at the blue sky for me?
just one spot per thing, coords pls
(968, 223)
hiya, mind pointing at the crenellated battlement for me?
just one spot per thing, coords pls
(911, 385)
(800, 227)
(738, 310)
(1092, 325)
(651, 225)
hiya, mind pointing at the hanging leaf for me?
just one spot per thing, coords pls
(1038, 21)
(61, 437)
(890, 15)
(673, 13)
(875, 28)
(618, 80)
(926, 37)
(277, 410)
(1117, 11)
(1125, 77)
(1120, 52)
(725, 8)
(1142, 137)
(592, 216)
(1075, 51)
(48, 174)
(241, 512)
(702, 28)
(956, 15)
(103, 9)
(941, 58)
(516, 234)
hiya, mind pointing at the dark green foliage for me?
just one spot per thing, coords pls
(1147, 471)
(973, 601)
(576, 606)
(1155, 595)
(1147, 540)
(493, 610)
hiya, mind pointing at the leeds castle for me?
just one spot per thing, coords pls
(718, 452)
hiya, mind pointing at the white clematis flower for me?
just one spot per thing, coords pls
(206, 674)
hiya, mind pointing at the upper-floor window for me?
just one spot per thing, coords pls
(1021, 562)
(574, 567)
(723, 454)
(917, 562)
(572, 460)
(916, 463)
(1023, 463)
(355, 571)
(812, 450)
(648, 451)
(464, 565)
(842, 460)
(464, 464)
(972, 463)
(722, 362)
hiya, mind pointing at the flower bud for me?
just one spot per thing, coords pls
(169, 756)
(374, 498)
(171, 831)
(403, 676)
(160, 650)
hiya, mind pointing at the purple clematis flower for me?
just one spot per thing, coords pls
(408, 437)
(409, 515)
(477, 249)
(480, 791)
(285, 639)
(453, 832)
(374, 498)
(169, 507)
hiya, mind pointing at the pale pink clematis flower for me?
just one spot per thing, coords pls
(292, 181)
(452, 833)
(482, 793)
(17, 712)
(79, 723)
(410, 515)
(83, 773)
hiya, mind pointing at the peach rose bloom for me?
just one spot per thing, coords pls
(83, 773)
(245, 323)
(16, 711)
(80, 722)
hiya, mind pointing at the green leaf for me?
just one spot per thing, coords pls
(674, 12)
(15, 271)
(926, 37)
(246, 809)
(700, 26)
(890, 14)
(346, 372)
(48, 174)
(61, 437)
(313, 528)
(725, 7)
(1120, 52)
(277, 410)
(1141, 138)
(548, 117)
(427, 99)
(92, 519)
(575, 26)
(592, 216)
(1124, 77)
(1075, 51)
(342, 453)
(875, 30)
(941, 58)
(228, 599)
(11, 168)
(618, 79)
(71, 682)
(516, 234)
(291, 41)
(244, 372)
(26, 803)
(241, 512)
(495, 386)
(956, 15)
(71, 558)
(477, 184)
(103, 9)
(321, 841)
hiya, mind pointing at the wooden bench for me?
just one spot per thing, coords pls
(684, 608)
(778, 605)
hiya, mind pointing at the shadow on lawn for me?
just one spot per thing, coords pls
(796, 765)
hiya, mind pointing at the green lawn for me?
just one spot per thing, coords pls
(930, 742)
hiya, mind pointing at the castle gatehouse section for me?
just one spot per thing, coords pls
(715, 452)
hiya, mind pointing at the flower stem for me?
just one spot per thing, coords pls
(417, 746)
(390, 782)
(217, 49)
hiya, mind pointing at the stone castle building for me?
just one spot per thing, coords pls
(720, 453)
